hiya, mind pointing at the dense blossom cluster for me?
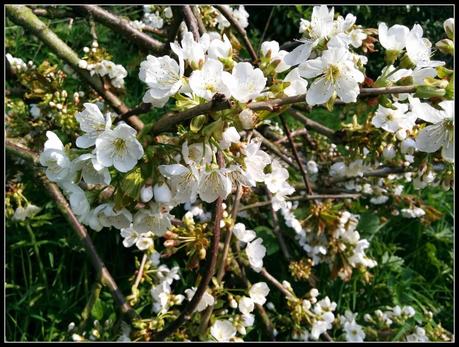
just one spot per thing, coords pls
(218, 155)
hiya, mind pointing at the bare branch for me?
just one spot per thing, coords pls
(197, 14)
(224, 11)
(191, 21)
(123, 27)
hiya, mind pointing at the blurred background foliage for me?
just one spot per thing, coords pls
(49, 279)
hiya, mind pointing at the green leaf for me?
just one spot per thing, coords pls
(97, 311)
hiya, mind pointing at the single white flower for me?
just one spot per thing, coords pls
(191, 51)
(242, 16)
(209, 80)
(78, 200)
(154, 219)
(91, 171)
(271, 48)
(246, 305)
(54, 158)
(130, 236)
(418, 48)
(255, 161)
(206, 300)
(146, 193)
(353, 332)
(441, 133)
(243, 234)
(393, 120)
(119, 147)
(256, 252)
(258, 292)
(214, 183)
(223, 330)
(394, 38)
(164, 77)
(245, 82)
(337, 73)
(220, 49)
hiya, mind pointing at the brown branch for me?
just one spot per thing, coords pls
(277, 231)
(209, 270)
(303, 197)
(313, 125)
(197, 14)
(191, 21)
(102, 272)
(150, 29)
(23, 16)
(123, 27)
(304, 174)
(225, 12)
(53, 13)
(275, 282)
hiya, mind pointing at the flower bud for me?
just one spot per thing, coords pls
(162, 193)
(233, 303)
(146, 193)
(389, 152)
(170, 243)
(446, 46)
(95, 44)
(448, 25)
(248, 119)
(202, 253)
(426, 92)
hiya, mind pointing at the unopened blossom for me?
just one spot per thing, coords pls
(248, 119)
(243, 234)
(335, 72)
(245, 82)
(55, 159)
(256, 252)
(441, 133)
(146, 193)
(119, 148)
(258, 292)
(162, 193)
(163, 76)
(208, 81)
(448, 25)
(206, 300)
(223, 330)
(393, 120)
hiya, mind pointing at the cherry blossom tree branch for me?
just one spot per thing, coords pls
(102, 272)
(224, 11)
(122, 26)
(209, 270)
(191, 21)
(304, 174)
(197, 14)
(273, 148)
(23, 16)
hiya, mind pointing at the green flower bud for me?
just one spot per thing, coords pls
(448, 25)
(426, 92)
(446, 46)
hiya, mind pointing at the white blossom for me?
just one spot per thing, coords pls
(245, 82)
(223, 330)
(256, 252)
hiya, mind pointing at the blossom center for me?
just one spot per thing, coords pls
(119, 144)
(332, 72)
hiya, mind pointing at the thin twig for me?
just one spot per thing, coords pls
(303, 197)
(140, 272)
(102, 272)
(225, 12)
(275, 282)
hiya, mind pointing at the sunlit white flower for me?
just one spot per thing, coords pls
(245, 82)
(242, 16)
(190, 50)
(297, 83)
(220, 48)
(91, 171)
(393, 38)
(393, 120)
(183, 181)
(119, 147)
(229, 136)
(214, 183)
(223, 330)
(154, 219)
(441, 133)
(353, 332)
(243, 234)
(246, 305)
(206, 300)
(255, 161)
(258, 292)
(208, 81)
(256, 252)
(418, 49)
(336, 72)
(271, 49)
(163, 76)
(54, 158)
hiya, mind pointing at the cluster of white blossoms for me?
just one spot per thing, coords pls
(117, 147)
(346, 241)
(115, 72)
(254, 249)
(22, 213)
(161, 292)
(17, 64)
(155, 16)
(353, 332)
(226, 330)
